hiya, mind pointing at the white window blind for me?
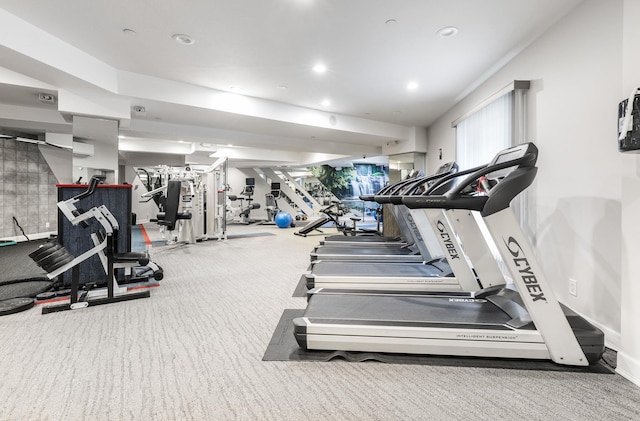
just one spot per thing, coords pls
(496, 124)
(484, 133)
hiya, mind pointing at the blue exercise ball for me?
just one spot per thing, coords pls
(283, 219)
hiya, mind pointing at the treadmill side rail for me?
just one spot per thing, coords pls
(536, 292)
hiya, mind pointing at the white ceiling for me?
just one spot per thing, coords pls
(262, 51)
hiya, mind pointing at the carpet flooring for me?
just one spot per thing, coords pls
(194, 351)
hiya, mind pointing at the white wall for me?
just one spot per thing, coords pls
(575, 69)
(629, 355)
(144, 208)
(103, 135)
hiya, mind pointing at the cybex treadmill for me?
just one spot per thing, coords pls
(522, 320)
(469, 266)
(391, 190)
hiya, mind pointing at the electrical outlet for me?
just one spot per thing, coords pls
(573, 287)
(46, 225)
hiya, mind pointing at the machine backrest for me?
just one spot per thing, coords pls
(172, 204)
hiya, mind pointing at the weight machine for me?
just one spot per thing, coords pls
(56, 259)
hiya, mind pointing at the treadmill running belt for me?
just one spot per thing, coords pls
(405, 310)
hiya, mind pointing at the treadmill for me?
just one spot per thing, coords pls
(470, 266)
(521, 320)
(415, 251)
(392, 189)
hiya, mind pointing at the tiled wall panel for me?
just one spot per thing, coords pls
(27, 190)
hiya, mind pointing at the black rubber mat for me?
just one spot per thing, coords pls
(16, 264)
(301, 288)
(283, 347)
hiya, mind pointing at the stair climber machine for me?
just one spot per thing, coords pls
(56, 260)
(519, 319)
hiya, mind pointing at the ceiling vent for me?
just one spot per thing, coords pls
(47, 98)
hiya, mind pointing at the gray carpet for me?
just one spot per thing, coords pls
(193, 351)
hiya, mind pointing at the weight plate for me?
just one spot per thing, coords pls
(15, 305)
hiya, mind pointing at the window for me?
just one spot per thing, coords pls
(495, 124)
(484, 133)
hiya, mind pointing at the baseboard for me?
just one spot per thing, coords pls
(628, 367)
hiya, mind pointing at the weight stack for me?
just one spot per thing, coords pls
(51, 256)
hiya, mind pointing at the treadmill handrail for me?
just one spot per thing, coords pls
(451, 177)
(437, 177)
(391, 187)
(528, 159)
(384, 198)
(488, 169)
(410, 187)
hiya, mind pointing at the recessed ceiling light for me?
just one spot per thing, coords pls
(412, 86)
(447, 32)
(319, 68)
(183, 39)
(325, 102)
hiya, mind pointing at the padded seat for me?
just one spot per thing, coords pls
(132, 257)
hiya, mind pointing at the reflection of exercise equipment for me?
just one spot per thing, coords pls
(55, 259)
(271, 206)
(241, 215)
(331, 213)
